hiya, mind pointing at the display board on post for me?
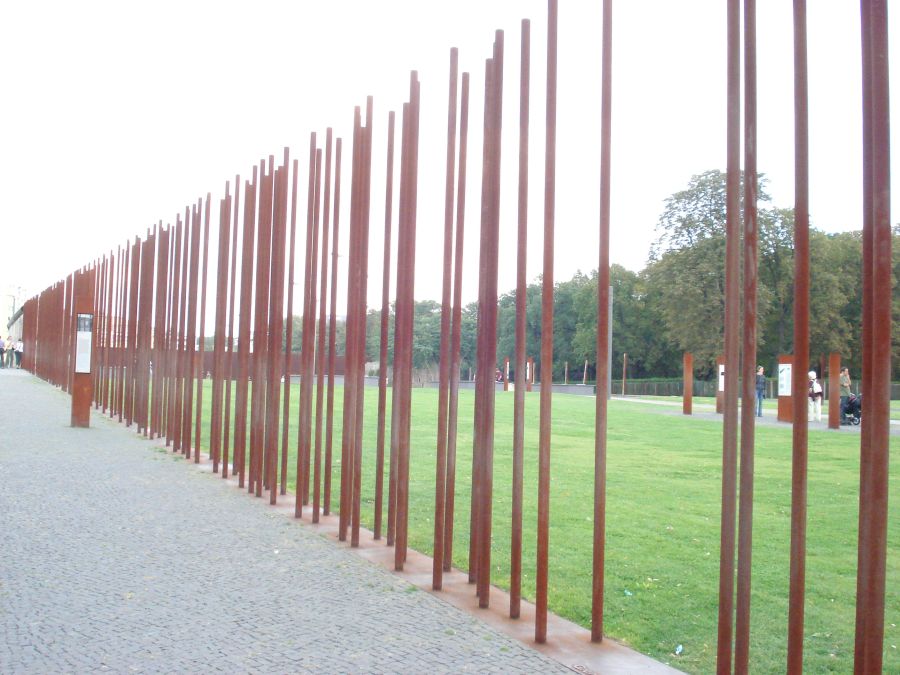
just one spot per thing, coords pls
(83, 316)
(785, 402)
(720, 384)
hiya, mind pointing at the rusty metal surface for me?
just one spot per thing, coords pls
(603, 336)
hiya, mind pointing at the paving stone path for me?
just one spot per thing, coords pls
(116, 557)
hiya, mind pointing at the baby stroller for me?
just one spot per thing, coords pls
(852, 412)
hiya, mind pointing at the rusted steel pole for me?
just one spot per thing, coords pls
(543, 535)
(148, 264)
(133, 296)
(732, 332)
(215, 428)
(321, 334)
(868, 653)
(199, 367)
(687, 403)
(240, 414)
(108, 329)
(309, 333)
(383, 336)
(797, 589)
(191, 346)
(180, 365)
(348, 436)
(289, 330)
(456, 318)
(748, 363)
(302, 421)
(172, 333)
(159, 337)
(276, 326)
(601, 424)
(406, 261)
(476, 527)
(440, 487)
(518, 449)
(365, 196)
(230, 350)
(332, 332)
(260, 330)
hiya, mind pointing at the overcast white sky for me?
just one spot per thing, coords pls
(116, 115)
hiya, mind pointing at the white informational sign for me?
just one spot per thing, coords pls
(784, 379)
(83, 331)
(721, 377)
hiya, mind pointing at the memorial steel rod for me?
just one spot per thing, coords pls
(456, 319)
(201, 337)
(322, 332)
(748, 362)
(215, 427)
(732, 331)
(440, 488)
(603, 337)
(240, 414)
(543, 534)
(332, 333)
(518, 448)
(289, 330)
(384, 325)
(797, 588)
(226, 426)
(877, 265)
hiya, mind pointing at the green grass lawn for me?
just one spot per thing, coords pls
(664, 492)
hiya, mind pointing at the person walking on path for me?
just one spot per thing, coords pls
(760, 389)
(2, 352)
(10, 352)
(815, 397)
(844, 382)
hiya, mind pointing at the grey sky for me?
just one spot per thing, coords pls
(117, 115)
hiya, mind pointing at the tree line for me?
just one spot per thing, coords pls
(676, 303)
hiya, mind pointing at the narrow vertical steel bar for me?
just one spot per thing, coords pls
(108, 329)
(383, 335)
(309, 333)
(261, 327)
(303, 429)
(348, 435)
(159, 337)
(172, 332)
(133, 296)
(797, 589)
(289, 330)
(348, 438)
(364, 211)
(403, 333)
(199, 366)
(321, 335)
(180, 366)
(874, 485)
(276, 326)
(544, 440)
(440, 490)
(865, 464)
(456, 321)
(478, 435)
(332, 332)
(191, 344)
(215, 426)
(748, 363)
(518, 449)
(732, 331)
(230, 369)
(603, 337)
(241, 393)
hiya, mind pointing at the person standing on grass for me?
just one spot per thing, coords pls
(844, 381)
(815, 397)
(760, 389)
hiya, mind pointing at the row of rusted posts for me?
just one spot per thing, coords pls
(149, 298)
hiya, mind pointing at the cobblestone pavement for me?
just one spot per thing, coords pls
(114, 557)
